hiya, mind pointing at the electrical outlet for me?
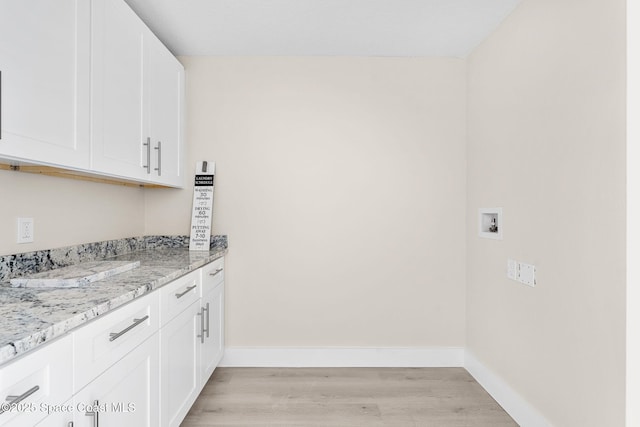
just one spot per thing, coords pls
(25, 230)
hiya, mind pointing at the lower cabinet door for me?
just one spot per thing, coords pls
(126, 395)
(33, 384)
(180, 342)
(59, 415)
(213, 345)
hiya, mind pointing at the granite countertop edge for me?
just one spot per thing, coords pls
(26, 344)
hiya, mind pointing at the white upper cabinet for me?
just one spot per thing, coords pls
(87, 86)
(117, 134)
(45, 66)
(137, 89)
(165, 89)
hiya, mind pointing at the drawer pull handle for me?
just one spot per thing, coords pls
(115, 335)
(186, 291)
(14, 400)
(218, 270)
(94, 414)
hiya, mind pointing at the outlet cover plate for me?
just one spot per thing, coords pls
(25, 230)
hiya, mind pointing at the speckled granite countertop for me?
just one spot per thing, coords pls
(30, 317)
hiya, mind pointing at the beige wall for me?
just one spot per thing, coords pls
(66, 212)
(341, 185)
(633, 213)
(546, 141)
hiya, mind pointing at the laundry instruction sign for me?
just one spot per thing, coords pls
(202, 207)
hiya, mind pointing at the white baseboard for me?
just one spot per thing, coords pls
(439, 357)
(520, 410)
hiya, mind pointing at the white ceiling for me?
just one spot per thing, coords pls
(323, 27)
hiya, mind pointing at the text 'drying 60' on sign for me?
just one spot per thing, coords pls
(202, 207)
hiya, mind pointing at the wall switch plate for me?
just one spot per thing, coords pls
(512, 269)
(25, 230)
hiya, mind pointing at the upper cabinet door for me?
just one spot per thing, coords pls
(45, 66)
(118, 136)
(137, 89)
(164, 77)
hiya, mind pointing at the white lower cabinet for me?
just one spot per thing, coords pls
(59, 416)
(141, 365)
(34, 382)
(213, 303)
(213, 344)
(126, 395)
(192, 342)
(180, 359)
(101, 343)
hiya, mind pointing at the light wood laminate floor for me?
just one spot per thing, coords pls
(437, 397)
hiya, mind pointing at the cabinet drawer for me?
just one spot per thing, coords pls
(212, 275)
(108, 339)
(178, 295)
(35, 382)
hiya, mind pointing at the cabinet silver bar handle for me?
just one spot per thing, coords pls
(207, 310)
(115, 335)
(14, 400)
(201, 336)
(148, 165)
(215, 273)
(94, 414)
(70, 424)
(159, 168)
(186, 291)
